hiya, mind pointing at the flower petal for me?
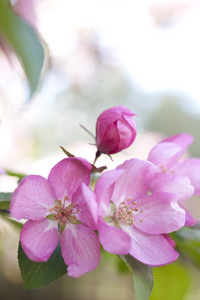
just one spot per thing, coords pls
(164, 155)
(104, 189)
(39, 239)
(113, 239)
(85, 198)
(108, 117)
(80, 249)
(32, 198)
(189, 220)
(67, 175)
(160, 214)
(182, 139)
(135, 181)
(150, 249)
(110, 140)
(177, 185)
(190, 168)
(127, 131)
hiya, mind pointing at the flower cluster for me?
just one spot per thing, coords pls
(133, 208)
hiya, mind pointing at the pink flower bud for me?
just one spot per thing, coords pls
(115, 130)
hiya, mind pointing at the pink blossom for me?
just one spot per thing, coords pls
(115, 130)
(133, 221)
(61, 201)
(173, 175)
(166, 155)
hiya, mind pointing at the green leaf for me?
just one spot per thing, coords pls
(188, 243)
(5, 200)
(25, 43)
(36, 275)
(142, 277)
(171, 282)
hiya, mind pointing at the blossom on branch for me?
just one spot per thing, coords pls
(115, 130)
(173, 175)
(134, 221)
(59, 208)
(166, 156)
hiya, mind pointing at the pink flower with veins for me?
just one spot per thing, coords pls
(174, 176)
(60, 202)
(133, 221)
(115, 130)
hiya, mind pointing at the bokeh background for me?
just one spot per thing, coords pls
(141, 54)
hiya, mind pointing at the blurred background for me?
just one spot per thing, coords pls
(141, 54)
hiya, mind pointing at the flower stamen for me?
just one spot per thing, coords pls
(126, 213)
(62, 213)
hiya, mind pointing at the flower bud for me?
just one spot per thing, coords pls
(115, 130)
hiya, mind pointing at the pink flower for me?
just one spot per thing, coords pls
(61, 201)
(180, 178)
(133, 221)
(115, 130)
(166, 154)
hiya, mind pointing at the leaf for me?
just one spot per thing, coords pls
(67, 152)
(142, 277)
(25, 43)
(94, 169)
(5, 200)
(174, 279)
(15, 174)
(98, 170)
(36, 275)
(188, 243)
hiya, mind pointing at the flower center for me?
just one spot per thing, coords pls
(64, 213)
(127, 212)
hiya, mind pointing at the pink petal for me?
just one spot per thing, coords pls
(67, 175)
(165, 155)
(107, 133)
(189, 220)
(113, 239)
(160, 214)
(127, 131)
(104, 189)
(87, 203)
(178, 185)
(110, 140)
(135, 180)
(39, 239)
(80, 249)
(170, 240)
(32, 198)
(191, 169)
(150, 249)
(182, 139)
(109, 116)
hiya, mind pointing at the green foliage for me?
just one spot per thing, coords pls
(171, 282)
(5, 200)
(142, 277)
(188, 243)
(36, 275)
(25, 43)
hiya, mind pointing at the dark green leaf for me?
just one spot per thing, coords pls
(5, 200)
(36, 275)
(25, 43)
(142, 277)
